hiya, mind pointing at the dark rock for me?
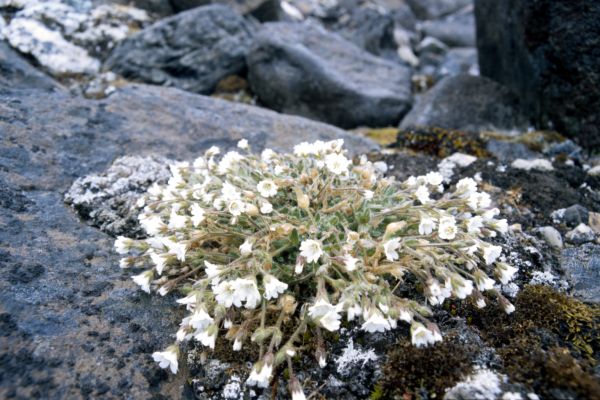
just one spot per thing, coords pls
(459, 60)
(508, 151)
(302, 69)
(192, 50)
(582, 267)
(567, 148)
(403, 15)
(457, 30)
(263, 10)
(546, 51)
(432, 9)
(469, 103)
(575, 215)
(370, 30)
(16, 72)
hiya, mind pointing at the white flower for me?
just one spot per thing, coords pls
(491, 253)
(246, 248)
(434, 178)
(267, 155)
(426, 226)
(260, 377)
(474, 225)
(125, 262)
(267, 188)
(322, 361)
(490, 214)
(246, 290)
(297, 392)
(159, 261)
(311, 250)
(406, 316)
(509, 308)
(326, 314)
(500, 225)
(266, 208)
(512, 396)
(376, 322)
(228, 161)
(243, 144)
(230, 192)
(189, 301)
(447, 229)
(350, 263)
(211, 270)
(480, 303)
(466, 186)
(422, 194)
(304, 149)
(207, 337)
(153, 225)
(463, 288)
(273, 287)
(237, 344)
(227, 323)
(484, 200)
(337, 163)
(224, 293)
(166, 359)
(123, 244)
(213, 151)
(390, 248)
(421, 336)
(353, 311)
(368, 194)
(177, 221)
(483, 282)
(200, 320)
(197, 214)
(178, 249)
(143, 280)
(236, 207)
(505, 272)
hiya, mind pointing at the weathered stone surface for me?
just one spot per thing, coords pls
(546, 51)
(456, 30)
(582, 267)
(192, 50)
(73, 324)
(18, 73)
(466, 102)
(263, 10)
(432, 9)
(458, 60)
(304, 70)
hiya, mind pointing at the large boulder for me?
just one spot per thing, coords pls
(546, 51)
(456, 30)
(469, 103)
(192, 50)
(73, 324)
(302, 69)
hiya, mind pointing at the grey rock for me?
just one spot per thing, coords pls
(568, 148)
(432, 9)
(18, 73)
(546, 51)
(580, 234)
(582, 268)
(108, 199)
(304, 70)
(469, 103)
(458, 60)
(192, 50)
(403, 16)
(507, 151)
(551, 236)
(431, 45)
(457, 30)
(575, 215)
(63, 288)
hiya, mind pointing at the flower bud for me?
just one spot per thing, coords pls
(288, 304)
(251, 210)
(394, 227)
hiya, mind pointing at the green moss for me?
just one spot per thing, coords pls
(550, 343)
(442, 142)
(377, 393)
(411, 372)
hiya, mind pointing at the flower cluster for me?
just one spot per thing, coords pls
(265, 244)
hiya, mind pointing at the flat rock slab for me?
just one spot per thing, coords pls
(192, 50)
(466, 102)
(304, 70)
(73, 324)
(18, 73)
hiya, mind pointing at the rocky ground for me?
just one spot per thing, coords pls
(95, 96)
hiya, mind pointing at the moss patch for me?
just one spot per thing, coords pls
(415, 373)
(442, 142)
(550, 343)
